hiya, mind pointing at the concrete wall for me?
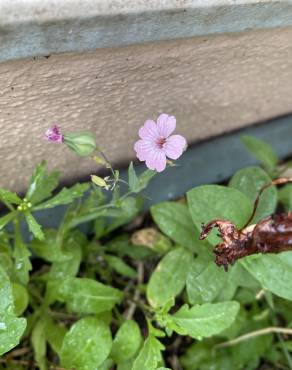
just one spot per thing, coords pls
(212, 76)
(212, 85)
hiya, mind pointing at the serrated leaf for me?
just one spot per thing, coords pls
(261, 150)
(150, 355)
(169, 277)
(209, 202)
(175, 221)
(86, 345)
(41, 184)
(9, 196)
(249, 181)
(33, 226)
(127, 342)
(205, 320)
(65, 196)
(88, 296)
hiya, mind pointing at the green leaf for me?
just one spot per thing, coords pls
(169, 277)
(22, 263)
(11, 331)
(86, 345)
(9, 196)
(33, 226)
(4, 220)
(205, 280)
(150, 355)
(88, 296)
(137, 184)
(127, 342)
(205, 320)
(68, 264)
(6, 296)
(65, 196)
(209, 202)
(175, 221)
(41, 184)
(120, 266)
(249, 181)
(38, 339)
(55, 334)
(133, 178)
(273, 271)
(49, 248)
(20, 297)
(261, 150)
(285, 197)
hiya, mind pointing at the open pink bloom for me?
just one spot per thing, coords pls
(157, 143)
(54, 135)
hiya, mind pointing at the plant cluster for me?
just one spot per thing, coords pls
(140, 291)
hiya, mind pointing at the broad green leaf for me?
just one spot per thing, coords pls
(285, 197)
(38, 339)
(4, 220)
(49, 248)
(9, 196)
(65, 196)
(127, 342)
(11, 331)
(273, 271)
(149, 356)
(120, 266)
(163, 368)
(169, 277)
(6, 296)
(261, 150)
(204, 284)
(107, 364)
(88, 296)
(22, 265)
(209, 202)
(205, 320)
(249, 181)
(41, 184)
(86, 345)
(33, 226)
(69, 264)
(20, 298)
(175, 221)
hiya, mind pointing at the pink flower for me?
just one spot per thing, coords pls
(54, 135)
(156, 143)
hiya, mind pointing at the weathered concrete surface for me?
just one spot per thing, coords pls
(212, 84)
(41, 27)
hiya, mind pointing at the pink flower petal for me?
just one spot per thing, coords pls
(166, 125)
(143, 148)
(149, 131)
(156, 160)
(174, 146)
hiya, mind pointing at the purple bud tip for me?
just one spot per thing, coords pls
(54, 135)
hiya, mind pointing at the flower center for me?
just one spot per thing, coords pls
(160, 142)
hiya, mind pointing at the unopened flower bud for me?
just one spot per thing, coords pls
(82, 143)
